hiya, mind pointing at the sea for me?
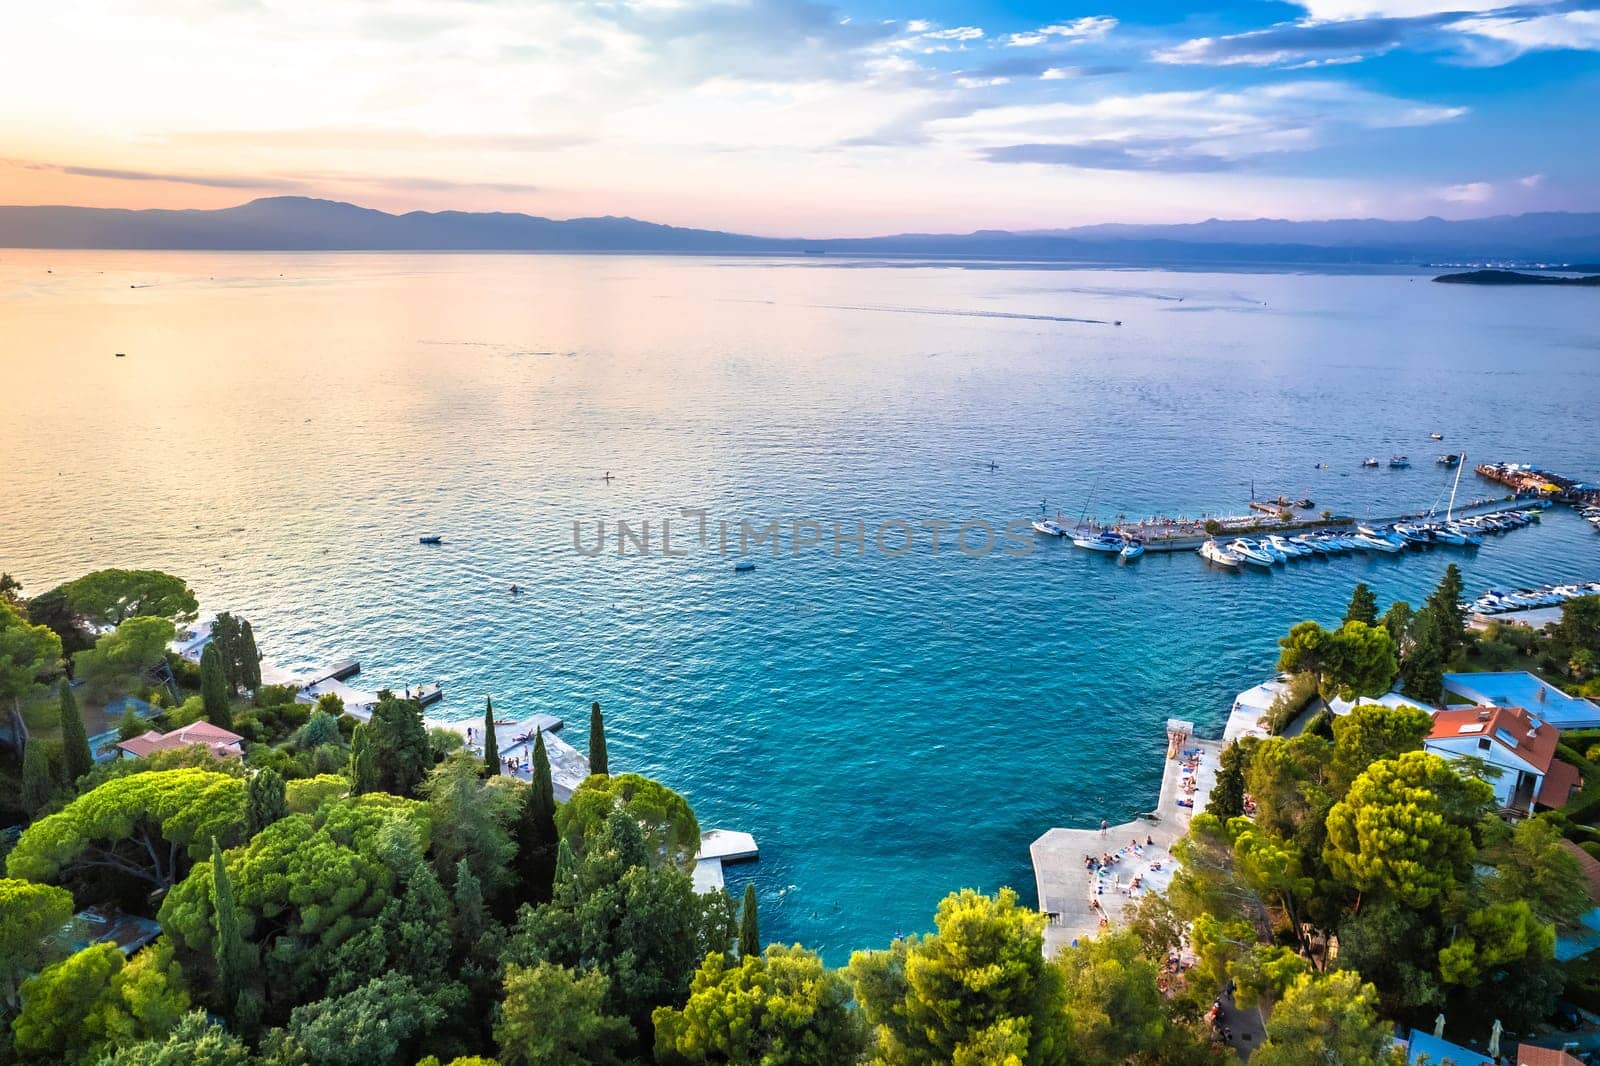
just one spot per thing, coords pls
(891, 720)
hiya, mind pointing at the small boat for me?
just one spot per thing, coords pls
(1287, 547)
(1312, 545)
(1100, 542)
(430, 538)
(122, 355)
(1468, 537)
(1252, 552)
(1132, 548)
(1381, 543)
(1212, 552)
(1448, 460)
(1398, 462)
(744, 566)
(1437, 436)
(1048, 528)
(1370, 461)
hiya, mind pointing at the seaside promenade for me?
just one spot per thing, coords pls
(1077, 899)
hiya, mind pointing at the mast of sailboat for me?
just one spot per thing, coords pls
(1451, 509)
(1085, 512)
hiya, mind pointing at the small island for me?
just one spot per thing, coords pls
(1513, 277)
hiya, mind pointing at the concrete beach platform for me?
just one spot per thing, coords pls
(719, 846)
(1066, 886)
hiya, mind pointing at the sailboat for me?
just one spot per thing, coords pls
(1453, 530)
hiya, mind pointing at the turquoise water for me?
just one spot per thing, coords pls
(889, 728)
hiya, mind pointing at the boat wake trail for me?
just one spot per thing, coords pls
(948, 312)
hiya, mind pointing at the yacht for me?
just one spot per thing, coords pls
(1288, 547)
(1252, 552)
(1099, 542)
(1312, 544)
(1048, 528)
(1381, 543)
(1398, 462)
(1212, 552)
(1468, 537)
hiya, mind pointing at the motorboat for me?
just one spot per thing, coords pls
(1212, 552)
(1252, 552)
(1132, 548)
(1418, 535)
(1436, 436)
(1048, 528)
(1381, 543)
(1371, 460)
(1312, 545)
(1288, 547)
(1106, 541)
(744, 566)
(1468, 537)
(1398, 462)
(430, 538)
(1448, 460)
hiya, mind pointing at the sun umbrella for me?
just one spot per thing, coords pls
(1494, 1040)
(1438, 1027)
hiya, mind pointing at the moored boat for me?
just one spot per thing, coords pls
(1105, 541)
(1132, 548)
(1251, 552)
(1048, 528)
(1212, 552)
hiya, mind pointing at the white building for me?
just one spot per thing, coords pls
(1517, 744)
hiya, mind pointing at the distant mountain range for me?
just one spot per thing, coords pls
(296, 223)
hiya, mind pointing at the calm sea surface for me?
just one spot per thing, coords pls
(889, 728)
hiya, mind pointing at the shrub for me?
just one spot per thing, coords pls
(1301, 689)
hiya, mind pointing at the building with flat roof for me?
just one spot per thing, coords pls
(1518, 688)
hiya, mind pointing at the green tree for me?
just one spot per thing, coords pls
(1579, 626)
(75, 1010)
(147, 826)
(1363, 606)
(74, 739)
(671, 832)
(1534, 864)
(1329, 1018)
(1405, 827)
(214, 688)
(598, 763)
(1397, 621)
(401, 755)
(491, 742)
(537, 838)
(1371, 732)
(1354, 660)
(1449, 612)
(11, 591)
(363, 761)
(551, 1016)
(1115, 1011)
(225, 642)
(31, 920)
(110, 597)
(266, 800)
(38, 782)
(1227, 794)
(125, 655)
(383, 1022)
(479, 815)
(932, 998)
(49, 609)
(1397, 949)
(227, 944)
(194, 1042)
(26, 651)
(470, 916)
(781, 1007)
(249, 658)
(749, 925)
(1495, 935)
(1422, 672)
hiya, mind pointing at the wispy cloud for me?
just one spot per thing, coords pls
(1091, 28)
(1472, 192)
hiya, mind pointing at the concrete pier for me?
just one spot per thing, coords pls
(717, 847)
(1078, 900)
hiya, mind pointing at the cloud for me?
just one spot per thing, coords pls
(957, 33)
(1472, 192)
(279, 183)
(1532, 181)
(1342, 10)
(1502, 38)
(1298, 42)
(1141, 154)
(1090, 28)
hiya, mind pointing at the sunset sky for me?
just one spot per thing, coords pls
(802, 116)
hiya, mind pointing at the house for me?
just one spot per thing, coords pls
(1528, 1055)
(1585, 937)
(129, 932)
(221, 742)
(1518, 748)
(1518, 688)
(1425, 1047)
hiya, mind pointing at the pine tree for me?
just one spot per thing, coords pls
(37, 788)
(249, 659)
(537, 838)
(1448, 613)
(491, 743)
(74, 741)
(469, 904)
(1422, 671)
(266, 800)
(227, 950)
(1363, 606)
(214, 688)
(363, 768)
(597, 741)
(749, 925)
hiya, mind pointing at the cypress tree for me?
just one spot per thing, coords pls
(249, 658)
(538, 842)
(74, 740)
(1448, 613)
(225, 638)
(1227, 795)
(37, 788)
(597, 741)
(491, 743)
(749, 925)
(363, 768)
(566, 862)
(266, 800)
(214, 688)
(227, 950)
(469, 904)
(1422, 671)
(1363, 606)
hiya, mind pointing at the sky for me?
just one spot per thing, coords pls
(811, 117)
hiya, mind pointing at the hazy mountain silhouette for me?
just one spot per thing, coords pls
(296, 223)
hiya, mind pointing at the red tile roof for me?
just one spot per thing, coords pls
(1528, 1055)
(1537, 746)
(1560, 782)
(216, 738)
(1590, 867)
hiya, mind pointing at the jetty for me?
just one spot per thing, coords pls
(1078, 892)
(719, 847)
(1529, 480)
